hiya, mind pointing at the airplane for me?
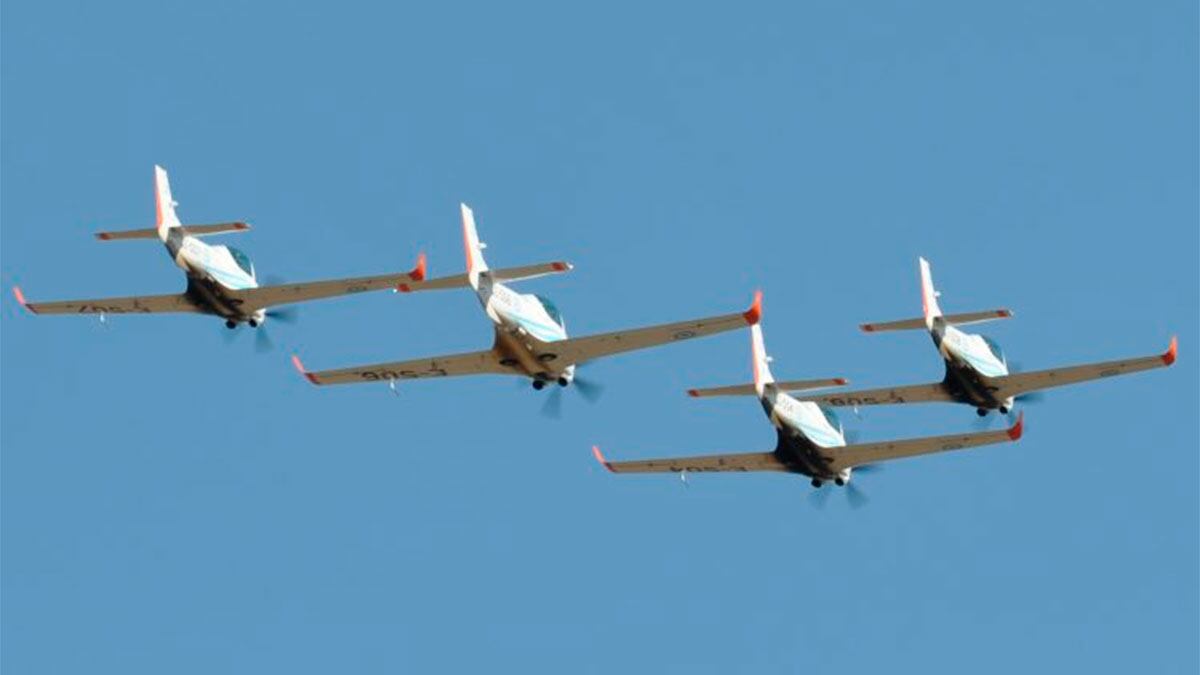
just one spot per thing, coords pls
(221, 280)
(530, 334)
(811, 440)
(977, 372)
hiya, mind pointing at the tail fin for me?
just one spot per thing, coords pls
(762, 368)
(472, 247)
(929, 295)
(164, 205)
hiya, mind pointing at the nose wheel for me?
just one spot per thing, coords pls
(817, 482)
(230, 324)
(539, 384)
(982, 412)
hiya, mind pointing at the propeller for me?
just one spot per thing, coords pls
(819, 497)
(552, 408)
(589, 389)
(262, 340)
(856, 496)
(284, 314)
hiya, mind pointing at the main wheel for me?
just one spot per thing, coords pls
(839, 482)
(230, 324)
(982, 412)
(539, 384)
(253, 323)
(1003, 410)
(816, 482)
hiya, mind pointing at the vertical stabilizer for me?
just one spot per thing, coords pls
(762, 368)
(471, 246)
(164, 205)
(929, 296)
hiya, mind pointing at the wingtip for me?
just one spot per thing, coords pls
(1004, 313)
(694, 393)
(841, 381)
(867, 328)
(561, 266)
(300, 369)
(1168, 357)
(754, 314)
(21, 299)
(1015, 431)
(416, 274)
(104, 236)
(600, 458)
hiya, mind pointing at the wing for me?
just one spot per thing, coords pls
(136, 304)
(285, 294)
(581, 349)
(850, 456)
(753, 461)
(784, 385)
(502, 274)
(1020, 383)
(917, 393)
(471, 363)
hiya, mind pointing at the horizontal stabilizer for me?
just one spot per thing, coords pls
(502, 274)
(152, 233)
(955, 319)
(785, 385)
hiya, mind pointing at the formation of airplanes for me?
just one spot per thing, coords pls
(530, 340)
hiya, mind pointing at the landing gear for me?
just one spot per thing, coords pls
(230, 324)
(539, 384)
(817, 482)
(840, 482)
(1003, 410)
(982, 412)
(562, 382)
(253, 323)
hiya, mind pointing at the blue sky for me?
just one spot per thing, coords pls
(175, 503)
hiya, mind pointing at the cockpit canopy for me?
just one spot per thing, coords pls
(995, 348)
(832, 418)
(551, 309)
(242, 260)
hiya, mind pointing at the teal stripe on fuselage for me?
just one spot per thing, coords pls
(230, 281)
(539, 330)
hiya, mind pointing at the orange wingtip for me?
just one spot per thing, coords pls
(418, 272)
(104, 236)
(1172, 351)
(560, 266)
(300, 367)
(1004, 313)
(600, 457)
(754, 314)
(1015, 431)
(694, 393)
(867, 328)
(21, 299)
(840, 381)
(241, 226)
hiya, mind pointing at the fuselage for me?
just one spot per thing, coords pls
(805, 430)
(971, 361)
(211, 272)
(526, 327)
